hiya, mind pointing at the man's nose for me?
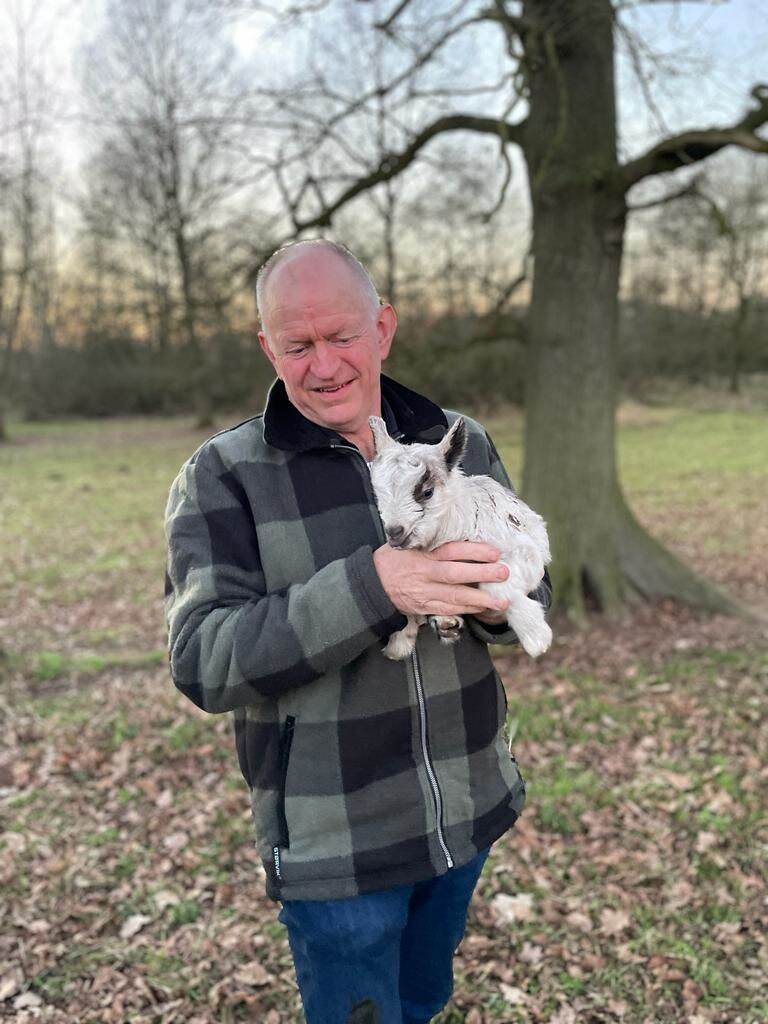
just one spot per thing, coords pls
(325, 360)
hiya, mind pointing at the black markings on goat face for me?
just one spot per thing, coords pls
(424, 489)
(514, 520)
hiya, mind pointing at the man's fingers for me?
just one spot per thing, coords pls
(472, 572)
(463, 601)
(465, 551)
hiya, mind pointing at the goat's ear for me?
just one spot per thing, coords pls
(381, 439)
(453, 444)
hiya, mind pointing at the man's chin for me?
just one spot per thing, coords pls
(337, 416)
(336, 409)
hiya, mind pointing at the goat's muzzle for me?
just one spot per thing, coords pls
(395, 536)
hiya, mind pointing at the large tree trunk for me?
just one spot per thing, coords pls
(601, 555)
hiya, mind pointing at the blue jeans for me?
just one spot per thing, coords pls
(384, 957)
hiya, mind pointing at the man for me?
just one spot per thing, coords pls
(377, 787)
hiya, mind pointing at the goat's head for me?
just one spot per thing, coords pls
(412, 483)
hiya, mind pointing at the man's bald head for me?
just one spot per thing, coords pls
(310, 250)
(326, 334)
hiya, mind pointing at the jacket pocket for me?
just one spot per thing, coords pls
(284, 753)
(503, 694)
(505, 730)
(240, 724)
(513, 759)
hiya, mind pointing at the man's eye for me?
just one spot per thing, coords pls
(342, 341)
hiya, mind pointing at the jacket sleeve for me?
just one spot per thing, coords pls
(502, 634)
(231, 642)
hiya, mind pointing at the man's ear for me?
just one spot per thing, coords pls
(453, 444)
(386, 325)
(267, 350)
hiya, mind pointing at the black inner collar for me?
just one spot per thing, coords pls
(409, 417)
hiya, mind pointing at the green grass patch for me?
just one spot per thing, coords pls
(32, 796)
(103, 837)
(121, 728)
(690, 450)
(187, 734)
(185, 912)
(164, 970)
(125, 866)
(75, 963)
(50, 665)
(561, 793)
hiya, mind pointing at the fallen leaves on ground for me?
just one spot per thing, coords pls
(632, 889)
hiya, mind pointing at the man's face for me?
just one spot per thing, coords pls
(326, 340)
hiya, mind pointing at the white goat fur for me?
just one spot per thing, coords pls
(459, 507)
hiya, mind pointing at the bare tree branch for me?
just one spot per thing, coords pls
(388, 22)
(514, 285)
(488, 215)
(692, 146)
(504, 153)
(419, 62)
(630, 4)
(634, 48)
(394, 163)
(514, 26)
(277, 10)
(690, 189)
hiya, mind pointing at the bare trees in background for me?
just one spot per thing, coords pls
(738, 219)
(706, 255)
(165, 95)
(538, 78)
(25, 207)
(340, 104)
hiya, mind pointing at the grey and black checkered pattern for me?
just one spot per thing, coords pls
(276, 613)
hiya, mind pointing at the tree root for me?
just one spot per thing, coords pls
(652, 572)
(636, 569)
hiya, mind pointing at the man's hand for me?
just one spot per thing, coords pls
(443, 581)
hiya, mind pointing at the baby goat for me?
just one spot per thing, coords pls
(426, 500)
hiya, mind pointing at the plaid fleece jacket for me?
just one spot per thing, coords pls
(364, 773)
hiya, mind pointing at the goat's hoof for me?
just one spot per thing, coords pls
(447, 627)
(399, 648)
(536, 644)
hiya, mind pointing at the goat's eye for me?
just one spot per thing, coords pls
(426, 495)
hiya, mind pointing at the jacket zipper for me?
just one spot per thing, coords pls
(283, 839)
(436, 796)
(427, 763)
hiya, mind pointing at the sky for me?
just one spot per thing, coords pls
(710, 55)
(718, 49)
(723, 51)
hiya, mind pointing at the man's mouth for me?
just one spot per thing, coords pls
(333, 389)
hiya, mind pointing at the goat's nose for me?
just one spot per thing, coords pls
(395, 534)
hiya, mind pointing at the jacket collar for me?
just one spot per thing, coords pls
(409, 417)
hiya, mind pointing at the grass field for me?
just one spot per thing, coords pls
(633, 889)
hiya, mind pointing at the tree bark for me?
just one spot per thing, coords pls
(601, 555)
